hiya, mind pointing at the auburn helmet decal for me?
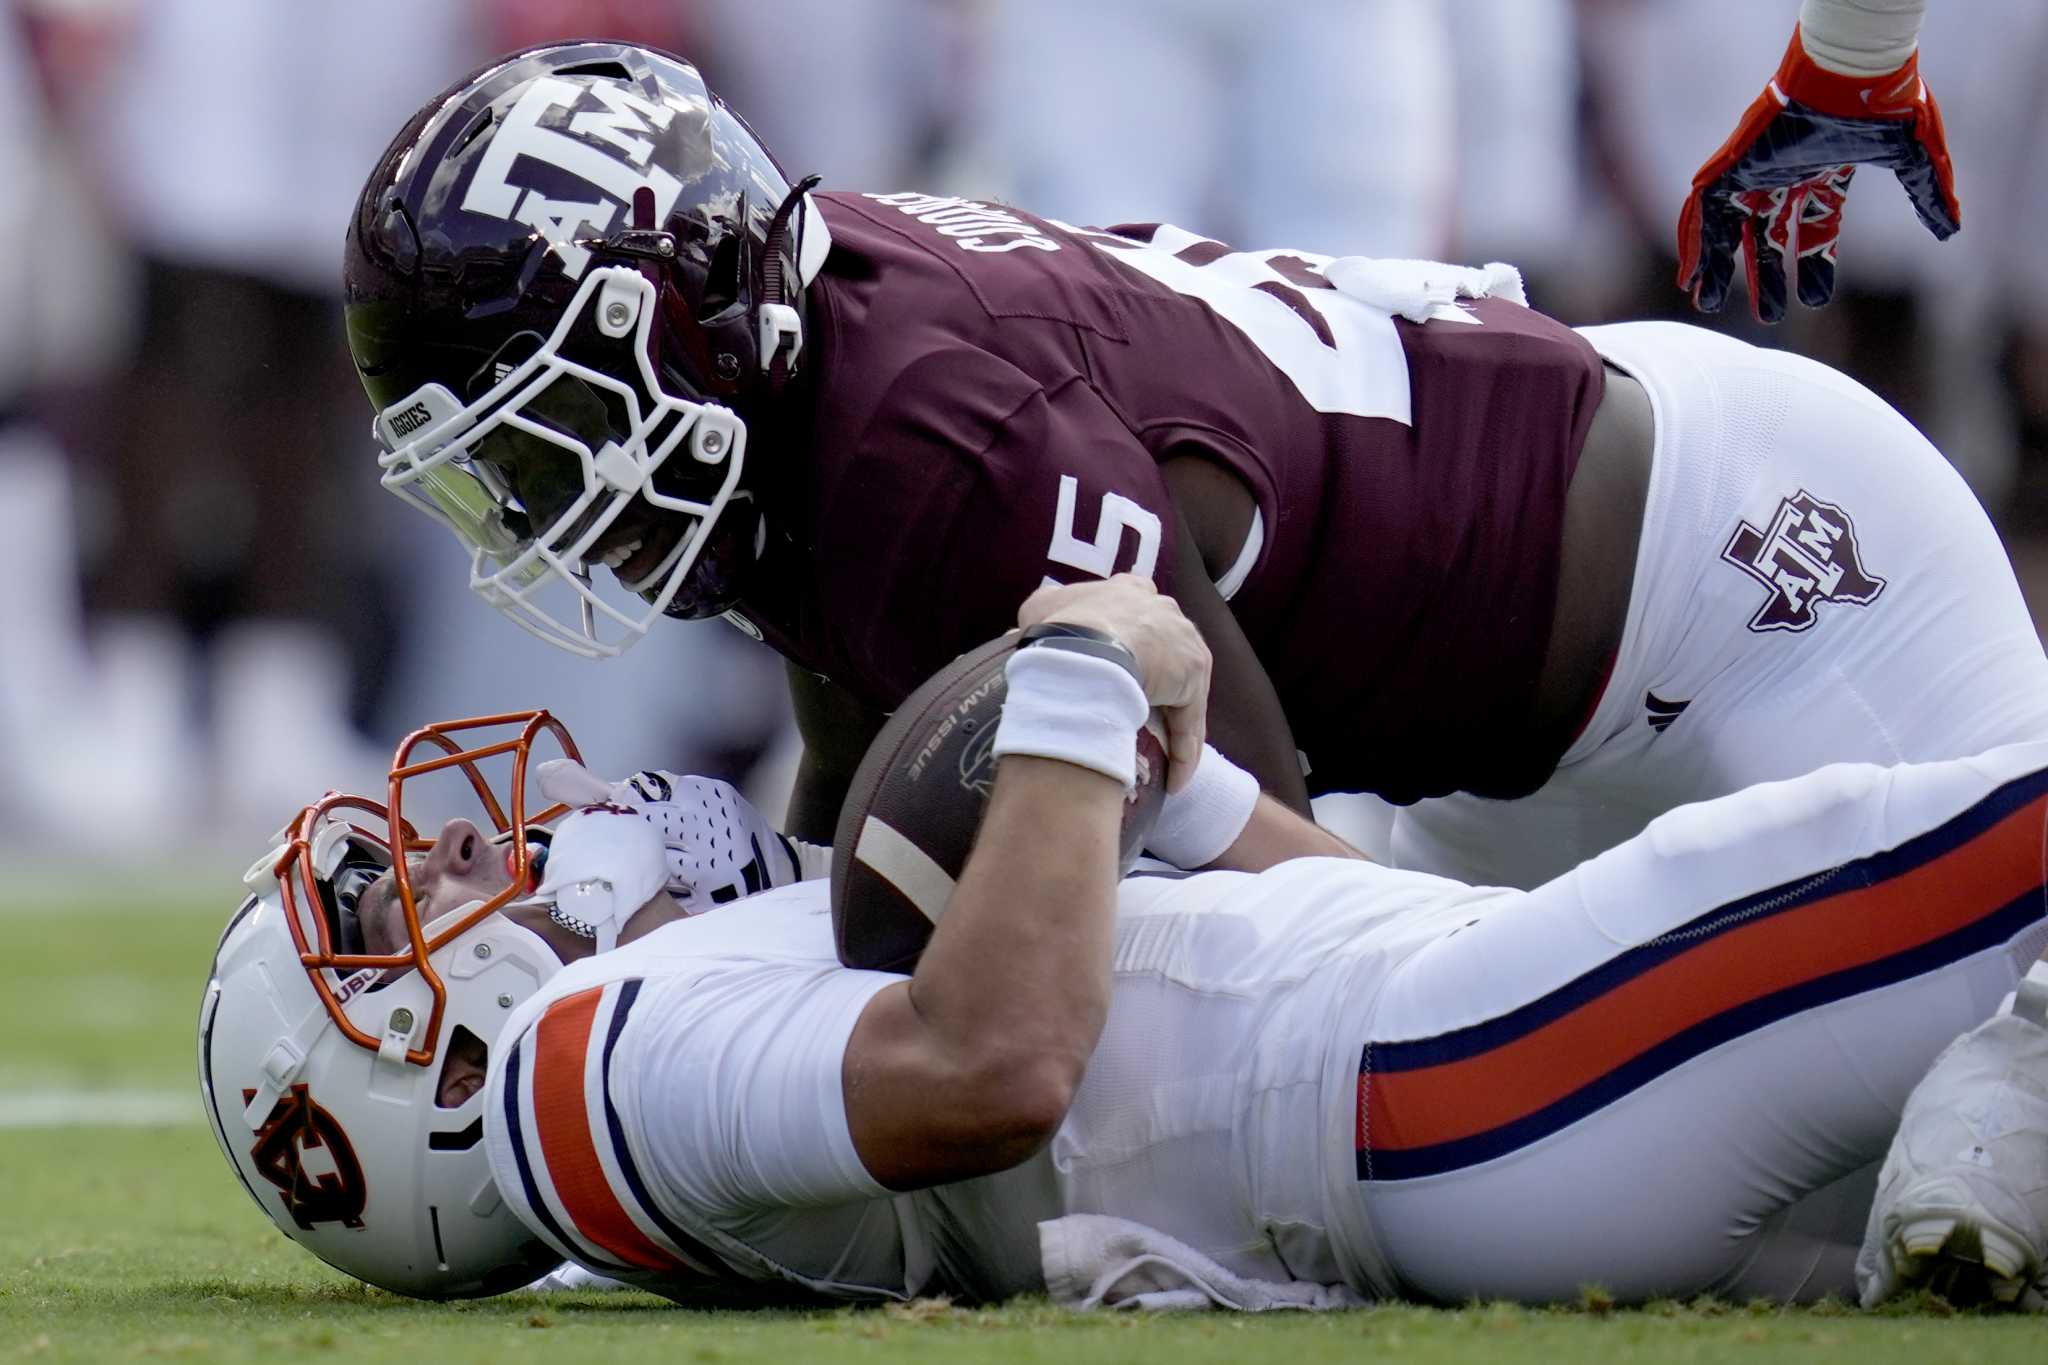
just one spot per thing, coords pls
(303, 1151)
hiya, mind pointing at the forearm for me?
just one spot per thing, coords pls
(1222, 821)
(1016, 976)
(1246, 719)
(1276, 834)
(1860, 37)
(1268, 751)
(814, 801)
(836, 732)
(969, 1067)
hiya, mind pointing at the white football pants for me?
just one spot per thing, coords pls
(1814, 585)
(1663, 1072)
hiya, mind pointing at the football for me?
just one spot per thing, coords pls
(916, 801)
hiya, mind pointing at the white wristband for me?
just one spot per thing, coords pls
(1201, 820)
(1860, 37)
(1074, 707)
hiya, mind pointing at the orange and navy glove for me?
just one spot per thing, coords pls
(1775, 189)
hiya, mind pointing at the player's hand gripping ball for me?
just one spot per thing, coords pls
(917, 799)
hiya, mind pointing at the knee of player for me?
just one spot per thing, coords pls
(1767, 813)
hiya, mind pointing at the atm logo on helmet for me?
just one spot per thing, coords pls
(608, 150)
(302, 1150)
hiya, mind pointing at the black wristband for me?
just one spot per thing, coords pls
(1082, 640)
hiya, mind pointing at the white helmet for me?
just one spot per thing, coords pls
(320, 1064)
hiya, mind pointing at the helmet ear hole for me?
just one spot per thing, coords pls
(464, 1060)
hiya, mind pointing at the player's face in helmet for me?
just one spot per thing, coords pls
(464, 867)
(568, 283)
(461, 868)
(342, 1049)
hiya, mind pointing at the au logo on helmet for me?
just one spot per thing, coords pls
(302, 1150)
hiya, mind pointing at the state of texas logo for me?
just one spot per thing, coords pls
(1804, 556)
(302, 1150)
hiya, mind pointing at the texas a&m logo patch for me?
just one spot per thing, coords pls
(1805, 556)
(301, 1149)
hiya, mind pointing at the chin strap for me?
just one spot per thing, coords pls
(781, 328)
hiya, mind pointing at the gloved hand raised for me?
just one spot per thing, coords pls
(1774, 191)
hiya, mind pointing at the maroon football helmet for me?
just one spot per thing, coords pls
(568, 283)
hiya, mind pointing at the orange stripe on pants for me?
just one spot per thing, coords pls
(1459, 1099)
(565, 1122)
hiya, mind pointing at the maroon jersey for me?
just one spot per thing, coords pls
(994, 397)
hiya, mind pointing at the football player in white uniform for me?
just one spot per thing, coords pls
(350, 998)
(1306, 1081)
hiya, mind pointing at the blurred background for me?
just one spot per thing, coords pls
(209, 611)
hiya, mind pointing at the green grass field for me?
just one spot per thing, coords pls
(132, 1241)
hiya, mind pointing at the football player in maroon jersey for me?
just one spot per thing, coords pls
(1441, 545)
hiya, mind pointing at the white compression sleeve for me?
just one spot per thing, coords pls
(1860, 37)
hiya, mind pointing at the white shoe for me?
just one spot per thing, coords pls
(1962, 1200)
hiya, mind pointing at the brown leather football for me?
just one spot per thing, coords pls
(916, 801)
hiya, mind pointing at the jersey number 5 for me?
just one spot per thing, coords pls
(1098, 556)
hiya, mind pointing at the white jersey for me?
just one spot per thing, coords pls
(1331, 1073)
(672, 1113)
